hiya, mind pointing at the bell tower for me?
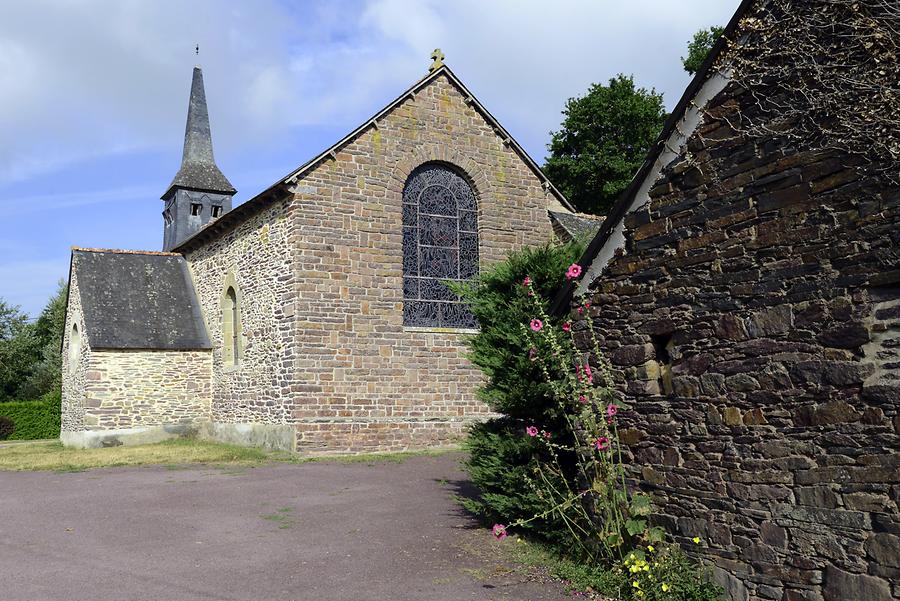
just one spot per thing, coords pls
(200, 192)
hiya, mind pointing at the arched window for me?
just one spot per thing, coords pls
(74, 347)
(440, 242)
(231, 328)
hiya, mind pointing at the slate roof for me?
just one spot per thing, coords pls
(138, 300)
(576, 225)
(198, 167)
(280, 189)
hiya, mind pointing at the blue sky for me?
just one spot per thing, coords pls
(93, 95)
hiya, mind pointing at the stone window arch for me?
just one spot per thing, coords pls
(232, 327)
(74, 347)
(440, 243)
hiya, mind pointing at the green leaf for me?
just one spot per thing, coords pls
(640, 505)
(635, 527)
(656, 535)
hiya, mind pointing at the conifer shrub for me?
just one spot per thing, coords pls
(500, 460)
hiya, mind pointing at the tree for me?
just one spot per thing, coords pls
(46, 373)
(699, 47)
(604, 138)
(19, 350)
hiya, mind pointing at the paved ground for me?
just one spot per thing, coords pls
(317, 531)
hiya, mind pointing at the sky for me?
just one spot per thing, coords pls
(93, 94)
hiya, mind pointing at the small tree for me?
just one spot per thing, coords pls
(699, 47)
(604, 138)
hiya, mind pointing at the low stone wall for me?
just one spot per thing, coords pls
(131, 389)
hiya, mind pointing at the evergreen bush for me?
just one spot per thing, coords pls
(499, 458)
(7, 427)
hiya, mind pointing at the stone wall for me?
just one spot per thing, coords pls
(136, 388)
(74, 369)
(753, 321)
(321, 279)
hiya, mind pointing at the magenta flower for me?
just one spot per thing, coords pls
(574, 271)
(601, 443)
(499, 531)
(526, 281)
(567, 327)
(536, 325)
(588, 373)
(531, 431)
(611, 410)
(547, 435)
(582, 399)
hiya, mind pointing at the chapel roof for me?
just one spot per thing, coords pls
(575, 225)
(280, 188)
(138, 300)
(198, 166)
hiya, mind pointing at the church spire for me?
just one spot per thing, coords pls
(198, 167)
(200, 192)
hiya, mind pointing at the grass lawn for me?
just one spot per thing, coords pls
(53, 456)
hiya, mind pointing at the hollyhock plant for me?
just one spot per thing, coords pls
(567, 327)
(573, 272)
(611, 410)
(536, 325)
(526, 282)
(499, 531)
(602, 443)
(531, 431)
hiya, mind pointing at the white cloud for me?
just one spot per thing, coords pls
(77, 78)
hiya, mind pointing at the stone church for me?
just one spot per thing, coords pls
(312, 317)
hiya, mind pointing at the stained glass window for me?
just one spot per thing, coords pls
(440, 243)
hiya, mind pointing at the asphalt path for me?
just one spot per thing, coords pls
(324, 531)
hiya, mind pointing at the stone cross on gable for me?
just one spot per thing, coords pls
(438, 57)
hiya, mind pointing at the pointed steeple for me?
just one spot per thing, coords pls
(198, 167)
(200, 192)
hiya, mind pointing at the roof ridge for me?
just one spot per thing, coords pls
(121, 251)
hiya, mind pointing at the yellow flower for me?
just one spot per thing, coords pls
(696, 540)
(665, 587)
(646, 568)
(631, 557)
(636, 584)
(640, 593)
(650, 548)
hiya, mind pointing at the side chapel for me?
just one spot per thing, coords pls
(312, 317)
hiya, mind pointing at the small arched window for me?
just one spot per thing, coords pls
(231, 328)
(74, 347)
(440, 243)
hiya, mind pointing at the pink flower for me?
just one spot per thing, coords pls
(581, 310)
(527, 281)
(547, 435)
(601, 443)
(611, 410)
(536, 325)
(499, 531)
(531, 431)
(582, 399)
(574, 271)
(567, 327)
(588, 373)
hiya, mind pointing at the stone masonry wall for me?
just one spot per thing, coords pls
(131, 388)
(73, 370)
(754, 325)
(321, 279)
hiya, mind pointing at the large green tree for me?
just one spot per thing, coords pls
(699, 47)
(604, 138)
(19, 350)
(30, 360)
(46, 373)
